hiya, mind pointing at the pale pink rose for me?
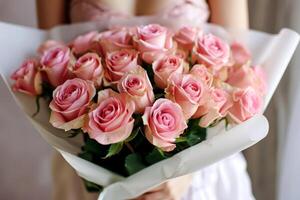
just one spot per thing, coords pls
(187, 91)
(215, 107)
(185, 37)
(48, 45)
(55, 63)
(164, 67)
(89, 67)
(164, 122)
(27, 78)
(181, 54)
(115, 39)
(83, 43)
(201, 72)
(246, 103)
(110, 121)
(240, 54)
(70, 103)
(153, 41)
(137, 86)
(246, 76)
(211, 51)
(118, 63)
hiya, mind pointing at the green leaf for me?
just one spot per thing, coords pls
(94, 147)
(159, 95)
(155, 156)
(134, 163)
(181, 139)
(86, 156)
(195, 134)
(92, 187)
(133, 134)
(114, 149)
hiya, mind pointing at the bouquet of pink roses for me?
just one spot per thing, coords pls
(132, 106)
(141, 94)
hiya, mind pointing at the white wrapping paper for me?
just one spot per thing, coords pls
(273, 52)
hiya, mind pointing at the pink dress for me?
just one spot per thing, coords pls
(225, 180)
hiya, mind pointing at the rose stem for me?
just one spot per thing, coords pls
(129, 147)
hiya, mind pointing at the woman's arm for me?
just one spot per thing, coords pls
(51, 13)
(230, 13)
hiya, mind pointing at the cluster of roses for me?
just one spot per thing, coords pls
(200, 75)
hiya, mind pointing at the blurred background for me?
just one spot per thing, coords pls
(273, 164)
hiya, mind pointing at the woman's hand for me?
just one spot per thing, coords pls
(173, 189)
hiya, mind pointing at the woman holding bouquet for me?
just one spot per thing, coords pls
(224, 180)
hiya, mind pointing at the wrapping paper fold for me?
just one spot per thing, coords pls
(273, 52)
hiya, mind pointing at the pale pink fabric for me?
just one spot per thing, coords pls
(90, 10)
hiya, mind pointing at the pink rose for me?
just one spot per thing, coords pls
(246, 76)
(55, 63)
(89, 67)
(152, 41)
(83, 43)
(181, 54)
(48, 45)
(70, 103)
(115, 39)
(240, 54)
(111, 120)
(185, 37)
(211, 51)
(28, 78)
(216, 107)
(164, 122)
(187, 91)
(138, 88)
(118, 63)
(246, 103)
(164, 67)
(201, 72)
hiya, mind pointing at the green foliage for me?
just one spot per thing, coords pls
(193, 135)
(92, 187)
(155, 156)
(114, 149)
(134, 163)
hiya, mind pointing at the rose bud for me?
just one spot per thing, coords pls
(211, 51)
(215, 107)
(83, 43)
(246, 103)
(118, 63)
(185, 37)
(55, 63)
(201, 72)
(27, 78)
(245, 76)
(240, 54)
(48, 45)
(70, 103)
(137, 86)
(152, 41)
(164, 67)
(115, 39)
(89, 67)
(110, 121)
(164, 122)
(187, 91)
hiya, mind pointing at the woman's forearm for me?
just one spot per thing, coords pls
(51, 13)
(230, 13)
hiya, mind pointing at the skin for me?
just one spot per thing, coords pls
(227, 13)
